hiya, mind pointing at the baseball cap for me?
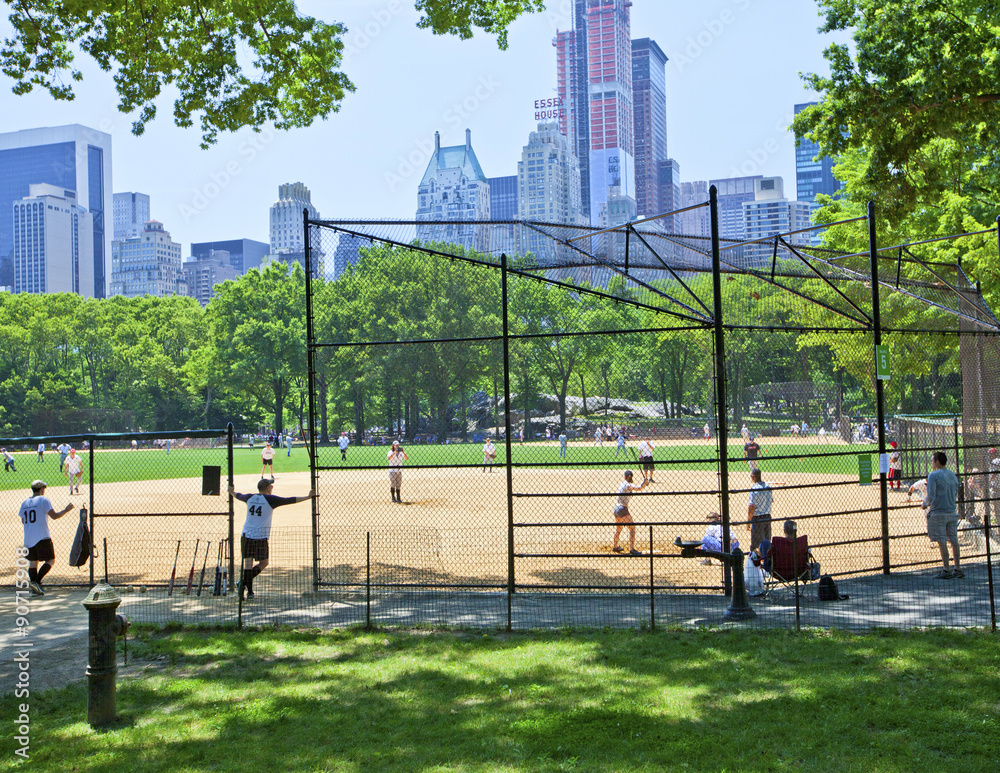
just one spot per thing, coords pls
(38, 485)
(263, 483)
(713, 517)
(893, 443)
(628, 473)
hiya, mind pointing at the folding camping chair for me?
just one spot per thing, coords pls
(787, 559)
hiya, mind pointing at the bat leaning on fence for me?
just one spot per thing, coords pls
(204, 563)
(173, 574)
(194, 560)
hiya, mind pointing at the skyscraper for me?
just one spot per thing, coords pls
(243, 254)
(812, 175)
(594, 81)
(649, 98)
(503, 197)
(147, 264)
(770, 213)
(130, 214)
(733, 192)
(694, 222)
(73, 158)
(203, 273)
(53, 242)
(286, 218)
(454, 188)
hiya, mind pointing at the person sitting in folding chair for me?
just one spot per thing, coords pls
(713, 536)
(784, 555)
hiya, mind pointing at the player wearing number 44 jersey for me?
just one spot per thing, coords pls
(257, 529)
(34, 514)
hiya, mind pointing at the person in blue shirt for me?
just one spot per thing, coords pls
(942, 514)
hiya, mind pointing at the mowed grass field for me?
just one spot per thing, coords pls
(463, 702)
(156, 464)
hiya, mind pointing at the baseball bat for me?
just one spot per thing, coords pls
(173, 574)
(225, 569)
(194, 560)
(204, 563)
(634, 457)
(217, 586)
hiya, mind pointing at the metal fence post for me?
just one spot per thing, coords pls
(93, 537)
(507, 438)
(232, 551)
(879, 389)
(368, 580)
(311, 386)
(722, 425)
(652, 588)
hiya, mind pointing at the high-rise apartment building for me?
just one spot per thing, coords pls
(286, 218)
(148, 264)
(203, 273)
(733, 193)
(694, 222)
(769, 214)
(668, 185)
(53, 242)
(130, 214)
(243, 254)
(812, 175)
(73, 158)
(594, 82)
(503, 197)
(649, 98)
(454, 188)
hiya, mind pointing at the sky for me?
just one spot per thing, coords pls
(732, 83)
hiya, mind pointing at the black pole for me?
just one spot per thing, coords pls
(652, 586)
(105, 559)
(229, 460)
(722, 426)
(628, 233)
(368, 580)
(507, 439)
(879, 389)
(93, 536)
(311, 386)
(795, 568)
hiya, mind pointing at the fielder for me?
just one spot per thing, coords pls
(343, 442)
(396, 457)
(489, 453)
(257, 530)
(267, 459)
(34, 514)
(74, 470)
(646, 460)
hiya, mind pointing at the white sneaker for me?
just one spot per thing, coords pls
(35, 588)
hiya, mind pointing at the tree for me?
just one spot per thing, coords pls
(232, 63)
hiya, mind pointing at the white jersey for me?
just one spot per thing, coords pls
(74, 464)
(34, 514)
(343, 442)
(267, 454)
(624, 495)
(645, 448)
(489, 450)
(258, 523)
(64, 448)
(395, 458)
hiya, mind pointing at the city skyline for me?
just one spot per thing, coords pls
(367, 160)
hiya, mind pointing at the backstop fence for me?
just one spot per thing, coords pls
(521, 369)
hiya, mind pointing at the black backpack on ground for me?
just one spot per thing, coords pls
(828, 591)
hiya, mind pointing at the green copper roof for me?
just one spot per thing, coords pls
(455, 157)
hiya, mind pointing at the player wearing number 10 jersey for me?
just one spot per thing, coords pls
(257, 529)
(34, 514)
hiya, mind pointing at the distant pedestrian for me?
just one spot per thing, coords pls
(41, 452)
(562, 445)
(942, 514)
(396, 457)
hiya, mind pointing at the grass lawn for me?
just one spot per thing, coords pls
(579, 701)
(157, 464)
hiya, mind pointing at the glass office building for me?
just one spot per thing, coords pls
(812, 176)
(72, 158)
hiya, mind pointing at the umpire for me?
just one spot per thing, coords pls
(759, 510)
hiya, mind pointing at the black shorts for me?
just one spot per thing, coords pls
(42, 550)
(646, 462)
(254, 548)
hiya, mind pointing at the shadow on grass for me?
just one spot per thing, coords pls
(285, 700)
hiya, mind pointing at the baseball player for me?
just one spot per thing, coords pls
(745, 433)
(396, 457)
(598, 437)
(708, 431)
(489, 453)
(895, 476)
(267, 459)
(74, 470)
(919, 488)
(35, 513)
(562, 445)
(8, 460)
(343, 442)
(646, 460)
(63, 450)
(257, 529)
(751, 450)
(41, 452)
(620, 448)
(622, 515)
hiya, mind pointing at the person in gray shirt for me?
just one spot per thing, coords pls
(942, 513)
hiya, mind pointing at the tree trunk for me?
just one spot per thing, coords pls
(279, 402)
(583, 391)
(323, 389)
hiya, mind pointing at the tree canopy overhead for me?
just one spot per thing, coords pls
(913, 105)
(234, 63)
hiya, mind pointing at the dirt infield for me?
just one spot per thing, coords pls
(452, 527)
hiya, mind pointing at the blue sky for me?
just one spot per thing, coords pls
(732, 82)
